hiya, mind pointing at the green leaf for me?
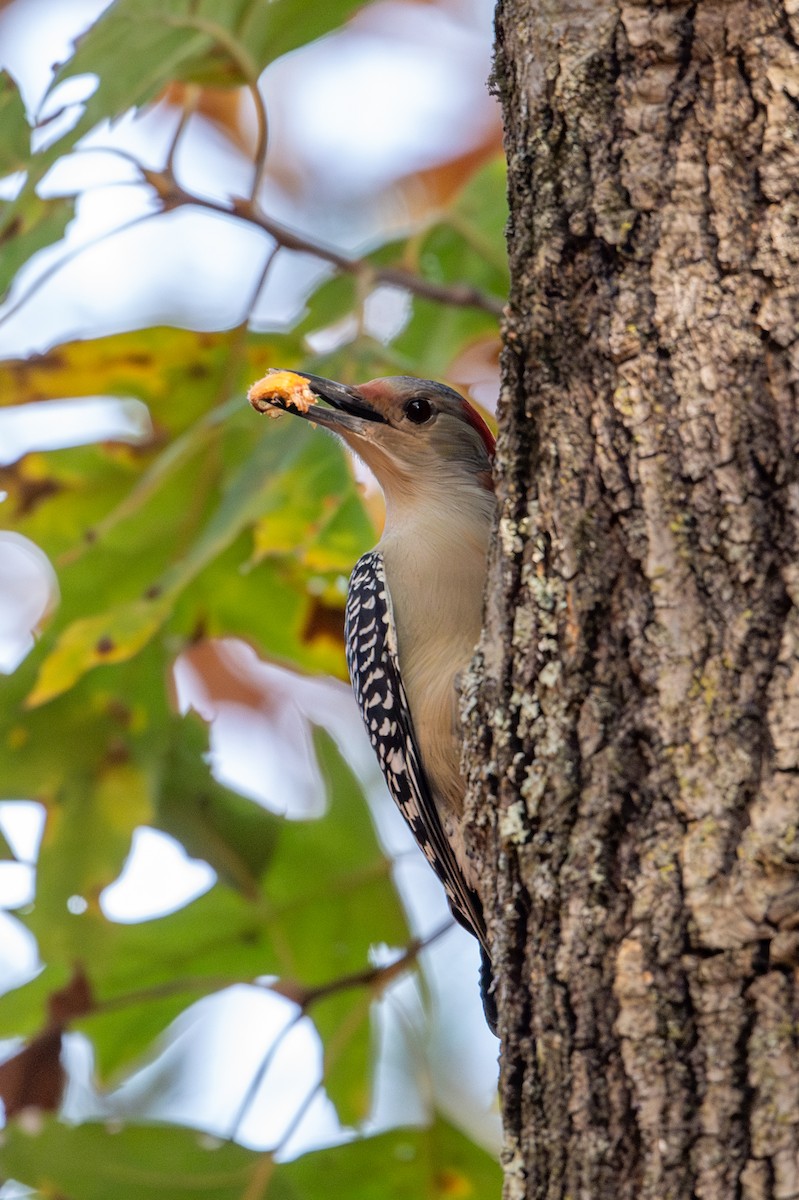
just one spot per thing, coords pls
(145, 1162)
(480, 215)
(70, 500)
(27, 225)
(15, 134)
(349, 868)
(222, 43)
(234, 835)
(465, 244)
(326, 898)
(312, 510)
(149, 972)
(102, 723)
(90, 1162)
(269, 606)
(333, 300)
(162, 43)
(116, 634)
(121, 584)
(271, 30)
(343, 1019)
(405, 1164)
(86, 839)
(292, 487)
(436, 335)
(22, 1008)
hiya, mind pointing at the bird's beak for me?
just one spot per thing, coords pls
(348, 412)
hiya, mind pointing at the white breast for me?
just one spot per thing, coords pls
(436, 575)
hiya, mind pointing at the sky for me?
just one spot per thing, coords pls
(388, 96)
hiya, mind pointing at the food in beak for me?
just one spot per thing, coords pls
(281, 388)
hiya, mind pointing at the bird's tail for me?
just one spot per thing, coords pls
(487, 991)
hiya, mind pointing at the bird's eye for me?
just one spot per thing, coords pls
(418, 411)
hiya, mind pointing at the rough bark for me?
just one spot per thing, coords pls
(633, 716)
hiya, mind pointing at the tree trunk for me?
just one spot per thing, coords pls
(634, 711)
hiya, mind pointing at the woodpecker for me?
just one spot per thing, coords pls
(414, 604)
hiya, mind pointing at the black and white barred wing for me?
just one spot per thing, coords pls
(374, 671)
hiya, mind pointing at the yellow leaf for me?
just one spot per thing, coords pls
(106, 638)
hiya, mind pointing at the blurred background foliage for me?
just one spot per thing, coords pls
(170, 563)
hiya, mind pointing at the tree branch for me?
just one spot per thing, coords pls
(173, 196)
(375, 978)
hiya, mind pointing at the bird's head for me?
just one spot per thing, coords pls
(406, 430)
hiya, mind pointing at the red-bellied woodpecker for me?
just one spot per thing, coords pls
(414, 606)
